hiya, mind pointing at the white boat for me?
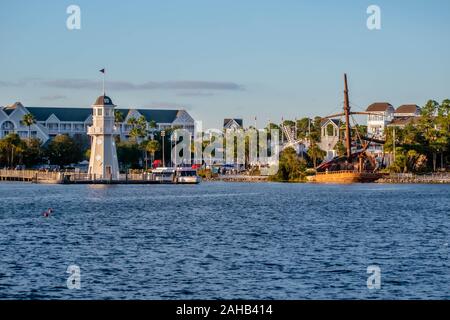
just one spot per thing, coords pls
(187, 176)
(164, 175)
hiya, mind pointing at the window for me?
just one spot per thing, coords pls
(99, 112)
(66, 127)
(8, 125)
(52, 126)
(330, 130)
(188, 173)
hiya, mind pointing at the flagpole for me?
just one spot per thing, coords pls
(103, 71)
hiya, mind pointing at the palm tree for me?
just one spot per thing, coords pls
(138, 127)
(443, 122)
(142, 125)
(315, 153)
(152, 147)
(132, 122)
(428, 127)
(152, 124)
(28, 120)
(118, 120)
(118, 117)
(11, 148)
(133, 132)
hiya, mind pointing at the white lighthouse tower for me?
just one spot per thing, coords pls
(103, 163)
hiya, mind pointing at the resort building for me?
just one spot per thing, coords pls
(233, 124)
(51, 121)
(382, 113)
(382, 116)
(407, 111)
(404, 115)
(330, 136)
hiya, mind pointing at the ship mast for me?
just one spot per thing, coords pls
(348, 135)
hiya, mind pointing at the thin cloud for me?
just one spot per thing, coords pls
(71, 84)
(192, 85)
(166, 105)
(12, 83)
(150, 85)
(195, 94)
(54, 97)
(19, 83)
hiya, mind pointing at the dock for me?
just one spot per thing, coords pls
(35, 176)
(30, 176)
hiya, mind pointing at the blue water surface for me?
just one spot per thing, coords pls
(225, 241)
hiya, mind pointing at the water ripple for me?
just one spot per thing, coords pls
(224, 241)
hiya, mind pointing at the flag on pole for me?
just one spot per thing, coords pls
(103, 71)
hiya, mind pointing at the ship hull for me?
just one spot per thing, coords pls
(345, 177)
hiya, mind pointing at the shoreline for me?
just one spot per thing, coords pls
(411, 178)
(390, 179)
(64, 178)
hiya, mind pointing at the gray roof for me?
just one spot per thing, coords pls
(9, 109)
(337, 122)
(62, 113)
(81, 114)
(238, 121)
(158, 115)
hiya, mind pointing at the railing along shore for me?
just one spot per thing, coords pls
(38, 176)
(443, 177)
(29, 175)
(334, 172)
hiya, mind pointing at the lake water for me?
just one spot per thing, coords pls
(225, 241)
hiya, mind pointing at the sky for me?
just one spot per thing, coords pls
(225, 59)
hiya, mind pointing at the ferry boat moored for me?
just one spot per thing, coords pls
(164, 175)
(187, 176)
(176, 175)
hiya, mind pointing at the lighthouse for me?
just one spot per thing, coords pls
(103, 162)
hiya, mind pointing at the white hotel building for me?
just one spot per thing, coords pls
(51, 121)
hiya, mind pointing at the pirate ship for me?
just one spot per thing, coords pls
(355, 166)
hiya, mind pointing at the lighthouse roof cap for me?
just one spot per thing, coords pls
(103, 101)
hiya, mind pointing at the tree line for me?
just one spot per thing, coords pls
(420, 146)
(64, 150)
